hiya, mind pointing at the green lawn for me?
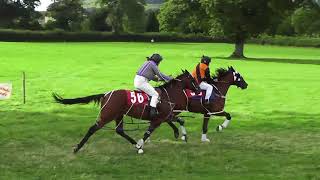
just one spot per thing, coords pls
(275, 132)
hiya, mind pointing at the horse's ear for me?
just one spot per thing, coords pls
(182, 71)
(232, 68)
(186, 71)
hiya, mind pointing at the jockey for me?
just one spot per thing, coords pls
(202, 75)
(150, 71)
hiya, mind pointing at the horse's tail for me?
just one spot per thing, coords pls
(82, 100)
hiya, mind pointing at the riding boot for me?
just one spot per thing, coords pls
(206, 104)
(207, 101)
(153, 112)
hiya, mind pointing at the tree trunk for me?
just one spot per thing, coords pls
(238, 51)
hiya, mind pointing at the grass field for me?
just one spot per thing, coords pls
(274, 134)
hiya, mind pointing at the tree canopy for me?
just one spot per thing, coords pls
(235, 19)
(19, 14)
(67, 14)
(123, 14)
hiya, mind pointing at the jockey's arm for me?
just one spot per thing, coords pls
(160, 75)
(207, 75)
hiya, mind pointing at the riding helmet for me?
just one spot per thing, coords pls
(206, 60)
(157, 58)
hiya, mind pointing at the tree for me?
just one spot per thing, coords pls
(98, 20)
(237, 20)
(67, 14)
(19, 14)
(152, 23)
(125, 14)
(306, 19)
(240, 19)
(183, 16)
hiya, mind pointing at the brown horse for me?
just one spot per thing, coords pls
(114, 105)
(221, 82)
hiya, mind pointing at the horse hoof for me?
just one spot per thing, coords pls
(184, 138)
(219, 128)
(140, 151)
(75, 150)
(205, 140)
(140, 144)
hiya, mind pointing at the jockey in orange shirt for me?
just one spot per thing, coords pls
(202, 75)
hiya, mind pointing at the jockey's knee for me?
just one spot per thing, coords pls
(155, 94)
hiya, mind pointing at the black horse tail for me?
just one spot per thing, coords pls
(82, 100)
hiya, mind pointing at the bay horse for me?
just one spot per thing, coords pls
(116, 104)
(221, 82)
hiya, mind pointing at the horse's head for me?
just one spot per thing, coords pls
(238, 79)
(189, 82)
(231, 76)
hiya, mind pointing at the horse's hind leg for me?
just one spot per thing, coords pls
(120, 130)
(91, 131)
(153, 125)
(206, 118)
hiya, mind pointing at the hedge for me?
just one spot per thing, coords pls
(286, 41)
(58, 36)
(63, 36)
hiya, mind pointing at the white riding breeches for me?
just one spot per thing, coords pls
(142, 84)
(205, 86)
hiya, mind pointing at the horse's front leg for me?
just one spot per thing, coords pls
(226, 121)
(182, 128)
(153, 125)
(206, 118)
(174, 128)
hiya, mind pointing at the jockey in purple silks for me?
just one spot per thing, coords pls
(150, 71)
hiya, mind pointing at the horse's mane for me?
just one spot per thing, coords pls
(172, 81)
(220, 72)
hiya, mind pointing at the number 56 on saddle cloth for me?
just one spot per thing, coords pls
(137, 98)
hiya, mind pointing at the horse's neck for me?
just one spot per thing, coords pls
(223, 87)
(175, 95)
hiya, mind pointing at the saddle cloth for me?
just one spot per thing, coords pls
(137, 98)
(193, 96)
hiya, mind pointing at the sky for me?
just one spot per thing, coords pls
(44, 5)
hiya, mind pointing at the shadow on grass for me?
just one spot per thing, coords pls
(64, 119)
(78, 120)
(278, 60)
